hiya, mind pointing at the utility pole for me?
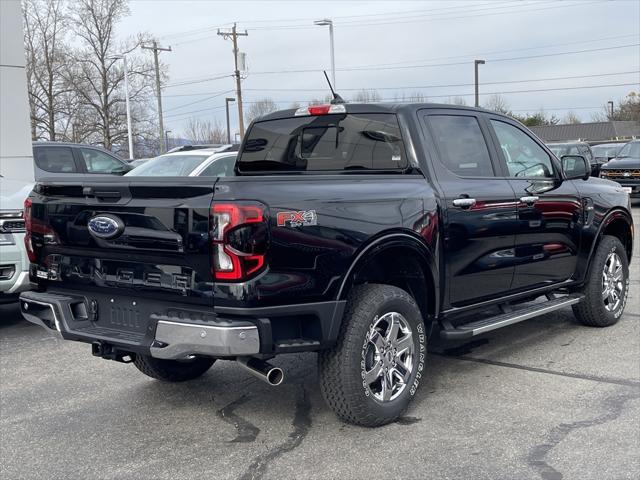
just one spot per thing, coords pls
(226, 102)
(475, 64)
(157, 49)
(234, 37)
(166, 138)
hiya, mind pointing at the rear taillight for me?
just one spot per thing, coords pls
(239, 240)
(28, 227)
(37, 233)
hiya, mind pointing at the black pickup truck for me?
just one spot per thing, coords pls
(357, 231)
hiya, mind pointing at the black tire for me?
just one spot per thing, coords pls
(593, 310)
(342, 368)
(172, 370)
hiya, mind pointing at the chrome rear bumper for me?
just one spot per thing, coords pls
(180, 340)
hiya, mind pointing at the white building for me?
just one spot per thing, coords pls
(16, 161)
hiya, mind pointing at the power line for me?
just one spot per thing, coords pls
(199, 101)
(451, 95)
(195, 80)
(184, 114)
(443, 85)
(414, 87)
(507, 92)
(482, 54)
(416, 18)
(383, 67)
(206, 29)
(203, 80)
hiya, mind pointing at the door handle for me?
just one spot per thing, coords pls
(464, 202)
(529, 200)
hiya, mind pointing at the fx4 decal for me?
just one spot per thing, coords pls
(297, 219)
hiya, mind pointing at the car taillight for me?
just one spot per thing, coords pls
(239, 240)
(37, 232)
(28, 227)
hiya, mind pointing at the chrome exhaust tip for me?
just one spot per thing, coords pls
(264, 371)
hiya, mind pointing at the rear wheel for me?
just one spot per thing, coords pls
(172, 370)
(607, 285)
(369, 377)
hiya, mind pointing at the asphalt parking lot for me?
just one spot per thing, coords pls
(547, 398)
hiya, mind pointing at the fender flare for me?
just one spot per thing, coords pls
(390, 240)
(611, 215)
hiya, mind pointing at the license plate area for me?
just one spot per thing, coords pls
(122, 314)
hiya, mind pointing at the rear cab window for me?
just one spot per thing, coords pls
(55, 159)
(325, 143)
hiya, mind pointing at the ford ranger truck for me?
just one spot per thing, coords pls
(355, 231)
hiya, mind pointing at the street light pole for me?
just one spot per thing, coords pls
(123, 57)
(475, 64)
(329, 22)
(126, 99)
(226, 103)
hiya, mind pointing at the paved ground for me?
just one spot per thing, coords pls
(544, 399)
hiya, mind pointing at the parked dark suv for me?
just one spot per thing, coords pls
(54, 159)
(625, 168)
(357, 231)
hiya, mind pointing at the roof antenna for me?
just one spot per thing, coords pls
(336, 98)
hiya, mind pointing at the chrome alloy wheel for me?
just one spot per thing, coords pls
(388, 357)
(612, 282)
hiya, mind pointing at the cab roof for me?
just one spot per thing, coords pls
(404, 108)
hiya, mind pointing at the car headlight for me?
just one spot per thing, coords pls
(6, 239)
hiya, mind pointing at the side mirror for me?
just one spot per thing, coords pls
(125, 168)
(575, 167)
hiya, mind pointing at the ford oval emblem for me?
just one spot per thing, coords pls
(105, 226)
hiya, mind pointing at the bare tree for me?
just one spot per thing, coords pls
(45, 27)
(205, 131)
(316, 101)
(627, 108)
(97, 75)
(456, 101)
(367, 96)
(497, 103)
(260, 108)
(571, 118)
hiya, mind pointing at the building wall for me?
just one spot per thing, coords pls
(16, 160)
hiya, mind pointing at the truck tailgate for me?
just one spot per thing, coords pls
(135, 237)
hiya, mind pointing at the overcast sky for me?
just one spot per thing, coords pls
(383, 35)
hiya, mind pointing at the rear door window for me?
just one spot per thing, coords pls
(461, 145)
(55, 159)
(335, 142)
(96, 161)
(221, 167)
